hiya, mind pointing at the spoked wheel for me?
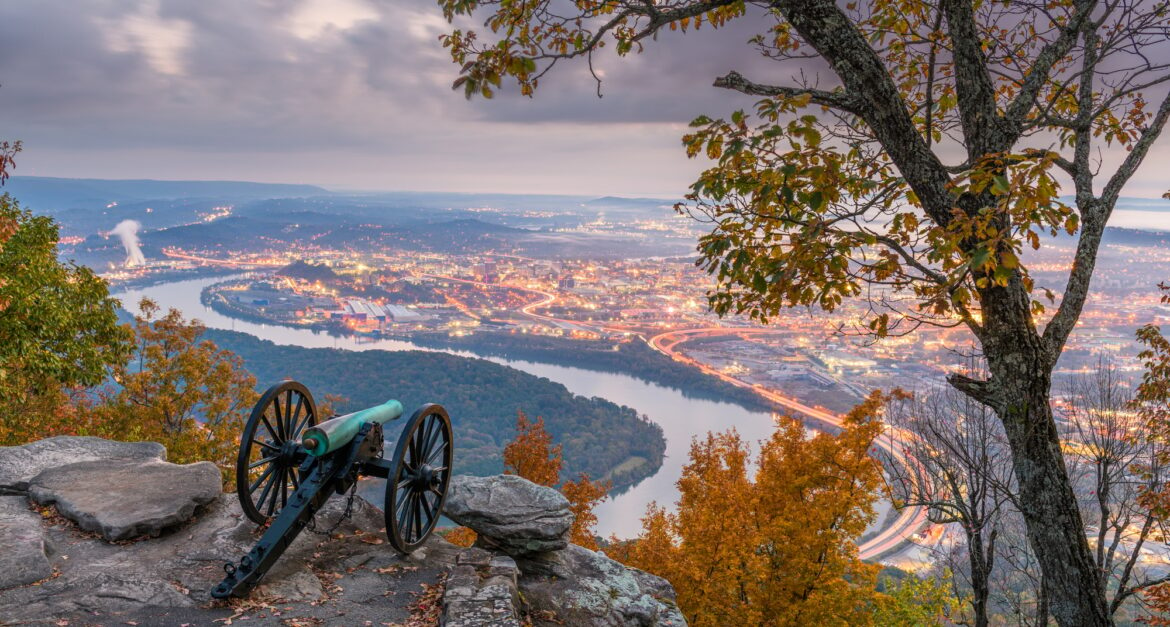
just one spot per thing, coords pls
(417, 487)
(270, 449)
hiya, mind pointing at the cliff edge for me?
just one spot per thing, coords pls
(97, 532)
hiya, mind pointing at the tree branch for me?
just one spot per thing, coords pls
(984, 392)
(1042, 65)
(1094, 215)
(834, 99)
(827, 29)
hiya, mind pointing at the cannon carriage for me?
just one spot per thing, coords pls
(289, 465)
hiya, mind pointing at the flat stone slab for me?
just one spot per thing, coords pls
(122, 499)
(22, 544)
(511, 514)
(19, 464)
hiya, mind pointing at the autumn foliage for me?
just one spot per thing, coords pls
(1153, 403)
(179, 390)
(776, 546)
(531, 453)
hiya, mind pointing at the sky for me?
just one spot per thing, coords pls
(351, 94)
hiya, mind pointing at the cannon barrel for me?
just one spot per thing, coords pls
(337, 432)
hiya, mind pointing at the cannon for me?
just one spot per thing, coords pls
(289, 465)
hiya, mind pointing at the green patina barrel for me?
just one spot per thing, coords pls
(337, 432)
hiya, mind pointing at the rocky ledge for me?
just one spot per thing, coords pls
(107, 533)
(522, 551)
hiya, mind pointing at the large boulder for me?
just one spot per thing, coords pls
(22, 559)
(19, 464)
(584, 588)
(125, 498)
(510, 514)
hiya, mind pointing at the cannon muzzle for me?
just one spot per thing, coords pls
(337, 432)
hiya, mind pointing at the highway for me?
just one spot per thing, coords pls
(174, 254)
(910, 521)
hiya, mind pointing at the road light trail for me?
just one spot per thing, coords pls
(910, 521)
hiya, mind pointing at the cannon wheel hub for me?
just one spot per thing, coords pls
(426, 477)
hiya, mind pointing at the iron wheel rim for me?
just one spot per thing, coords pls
(267, 470)
(416, 489)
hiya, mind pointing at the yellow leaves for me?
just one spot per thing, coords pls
(715, 148)
(188, 394)
(748, 548)
(583, 496)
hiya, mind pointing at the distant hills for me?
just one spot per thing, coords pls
(55, 194)
(308, 272)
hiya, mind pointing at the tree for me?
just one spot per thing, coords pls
(1115, 463)
(531, 454)
(917, 176)
(178, 390)
(916, 601)
(1152, 400)
(959, 469)
(584, 495)
(58, 325)
(776, 548)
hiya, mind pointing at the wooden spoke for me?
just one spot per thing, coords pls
(417, 485)
(265, 462)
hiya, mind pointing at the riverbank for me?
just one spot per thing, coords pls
(682, 419)
(632, 357)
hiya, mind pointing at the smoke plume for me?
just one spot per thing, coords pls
(127, 231)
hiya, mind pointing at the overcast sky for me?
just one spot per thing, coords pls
(348, 94)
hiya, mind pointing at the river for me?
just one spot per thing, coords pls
(681, 418)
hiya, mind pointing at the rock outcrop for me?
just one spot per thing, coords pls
(19, 464)
(22, 559)
(482, 591)
(589, 588)
(51, 570)
(561, 583)
(164, 532)
(510, 513)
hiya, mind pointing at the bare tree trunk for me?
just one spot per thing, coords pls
(980, 578)
(1020, 364)
(1042, 604)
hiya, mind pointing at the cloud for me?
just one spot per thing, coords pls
(351, 93)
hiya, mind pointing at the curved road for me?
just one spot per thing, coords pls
(910, 521)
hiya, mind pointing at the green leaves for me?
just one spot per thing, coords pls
(58, 325)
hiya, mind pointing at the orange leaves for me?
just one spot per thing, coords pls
(531, 454)
(583, 496)
(775, 545)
